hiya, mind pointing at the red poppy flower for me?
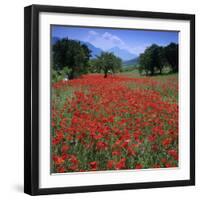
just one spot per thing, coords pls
(110, 164)
(173, 153)
(166, 142)
(138, 166)
(58, 160)
(121, 164)
(93, 165)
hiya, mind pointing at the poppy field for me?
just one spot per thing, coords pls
(116, 123)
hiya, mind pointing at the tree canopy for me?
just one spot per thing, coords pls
(107, 62)
(156, 57)
(171, 53)
(71, 54)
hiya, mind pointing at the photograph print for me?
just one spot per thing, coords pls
(114, 99)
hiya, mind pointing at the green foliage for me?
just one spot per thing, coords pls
(108, 62)
(155, 58)
(171, 54)
(73, 54)
(58, 75)
(94, 66)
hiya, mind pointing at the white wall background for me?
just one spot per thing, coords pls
(11, 98)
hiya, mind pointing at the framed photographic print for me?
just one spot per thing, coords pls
(109, 100)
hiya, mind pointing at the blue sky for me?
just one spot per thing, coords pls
(135, 41)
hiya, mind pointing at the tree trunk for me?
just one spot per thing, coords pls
(152, 73)
(105, 73)
(71, 76)
(160, 70)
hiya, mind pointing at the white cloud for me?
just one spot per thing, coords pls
(139, 48)
(115, 39)
(107, 41)
(93, 33)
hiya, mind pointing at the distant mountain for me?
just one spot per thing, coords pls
(94, 50)
(122, 53)
(131, 62)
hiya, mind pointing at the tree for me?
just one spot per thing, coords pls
(108, 61)
(95, 65)
(144, 60)
(152, 60)
(71, 53)
(161, 60)
(171, 54)
(148, 59)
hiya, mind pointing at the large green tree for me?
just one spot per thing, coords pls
(171, 54)
(161, 60)
(151, 60)
(108, 62)
(156, 57)
(71, 54)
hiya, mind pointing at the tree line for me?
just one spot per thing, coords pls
(155, 58)
(72, 58)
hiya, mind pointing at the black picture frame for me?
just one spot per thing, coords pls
(31, 98)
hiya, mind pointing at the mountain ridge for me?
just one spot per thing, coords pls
(124, 54)
(132, 62)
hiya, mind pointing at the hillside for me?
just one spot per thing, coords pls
(132, 62)
(94, 50)
(122, 53)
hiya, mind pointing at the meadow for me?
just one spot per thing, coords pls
(124, 121)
